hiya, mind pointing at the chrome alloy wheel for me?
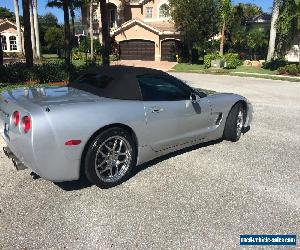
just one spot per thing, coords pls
(113, 159)
(240, 122)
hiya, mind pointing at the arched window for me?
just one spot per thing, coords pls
(4, 43)
(164, 11)
(13, 43)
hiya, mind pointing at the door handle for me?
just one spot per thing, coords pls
(157, 110)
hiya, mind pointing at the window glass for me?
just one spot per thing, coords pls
(149, 12)
(13, 43)
(163, 88)
(3, 41)
(164, 11)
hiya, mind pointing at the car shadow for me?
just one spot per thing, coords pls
(84, 183)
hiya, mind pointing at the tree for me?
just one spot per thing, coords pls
(257, 41)
(27, 34)
(92, 32)
(273, 30)
(286, 27)
(225, 13)
(197, 19)
(54, 39)
(18, 24)
(6, 14)
(36, 30)
(67, 33)
(105, 33)
(32, 29)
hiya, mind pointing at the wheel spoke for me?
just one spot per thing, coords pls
(120, 146)
(115, 145)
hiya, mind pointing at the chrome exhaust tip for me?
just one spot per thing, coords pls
(18, 165)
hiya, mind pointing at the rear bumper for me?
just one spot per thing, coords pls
(53, 166)
(17, 163)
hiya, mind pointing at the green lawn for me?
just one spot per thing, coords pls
(255, 70)
(248, 71)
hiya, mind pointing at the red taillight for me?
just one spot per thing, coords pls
(16, 118)
(26, 124)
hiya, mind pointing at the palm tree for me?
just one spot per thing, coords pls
(105, 33)
(273, 30)
(225, 10)
(65, 4)
(16, 5)
(27, 33)
(32, 29)
(91, 31)
(36, 30)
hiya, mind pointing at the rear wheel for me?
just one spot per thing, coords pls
(110, 158)
(235, 123)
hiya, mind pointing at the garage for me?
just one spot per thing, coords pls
(137, 50)
(169, 49)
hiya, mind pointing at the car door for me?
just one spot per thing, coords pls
(172, 118)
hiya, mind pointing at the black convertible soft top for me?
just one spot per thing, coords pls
(117, 82)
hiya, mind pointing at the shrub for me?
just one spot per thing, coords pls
(50, 72)
(210, 57)
(291, 69)
(44, 73)
(275, 64)
(232, 61)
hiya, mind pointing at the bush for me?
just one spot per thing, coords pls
(44, 73)
(275, 64)
(50, 72)
(232, 61)
(291, 69)
(210, 57)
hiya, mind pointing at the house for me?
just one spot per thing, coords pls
(262, 20)
(9, 37)
(142, 29)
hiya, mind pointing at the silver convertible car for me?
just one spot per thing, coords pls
(110, 120)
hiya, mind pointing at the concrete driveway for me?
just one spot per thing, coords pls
(201, 198)
(163, 65)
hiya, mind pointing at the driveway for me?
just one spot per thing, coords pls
(162, 65)
(201, 198)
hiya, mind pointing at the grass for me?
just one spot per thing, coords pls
(242, 71)
(255, 70)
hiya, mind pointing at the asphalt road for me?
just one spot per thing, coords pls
(203, 198)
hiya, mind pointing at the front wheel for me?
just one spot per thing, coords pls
(235, 123)
(110, 158)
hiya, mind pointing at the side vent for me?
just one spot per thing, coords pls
(219, 119)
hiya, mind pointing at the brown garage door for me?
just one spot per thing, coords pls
(137, 50)
(169, 49)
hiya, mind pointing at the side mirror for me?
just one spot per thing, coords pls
(194, 98)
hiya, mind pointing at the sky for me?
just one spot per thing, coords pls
(42, 9)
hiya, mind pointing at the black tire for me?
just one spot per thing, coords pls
(232, 131)
(96, 153)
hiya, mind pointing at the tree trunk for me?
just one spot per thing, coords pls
(1, 51)
(36, 30)
(27, 34)
(222, 38)
(105, 33)
(67, 33)
(32, 30)
(72, 12)
(19, 44)
(273, 31)
(91, 32)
